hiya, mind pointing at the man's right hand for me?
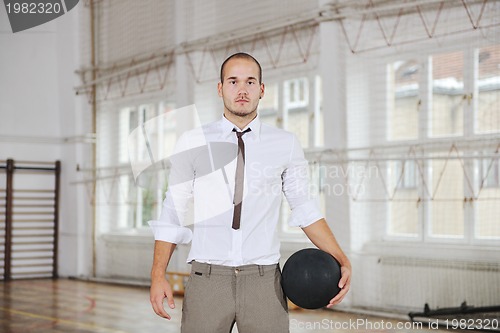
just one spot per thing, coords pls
(160, 288)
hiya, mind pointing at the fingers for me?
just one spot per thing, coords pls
(157, 295)
(170, 299)
(158, 308)
(344, 284)
(338, 298)
(346, 276)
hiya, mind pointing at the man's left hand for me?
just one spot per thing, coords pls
(344, 285)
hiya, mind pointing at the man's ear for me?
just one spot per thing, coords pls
(219, 89)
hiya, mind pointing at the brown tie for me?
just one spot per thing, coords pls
(239, 179)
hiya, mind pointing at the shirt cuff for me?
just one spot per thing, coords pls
(305, 214)
(170, 233)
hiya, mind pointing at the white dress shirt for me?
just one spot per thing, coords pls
(203, 170)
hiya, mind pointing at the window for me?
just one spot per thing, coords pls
(447, 204)
(146, 135)
(447, 111)
(319, 137)
(452, 116)
(296, 93)
(403, 207)
(406, 174)
(268, 106)
(488, 82)
(487, 209)
(296, 108)
(295, 105)
(490, 173)
(404, 101)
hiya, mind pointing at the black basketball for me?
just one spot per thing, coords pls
(310, 278)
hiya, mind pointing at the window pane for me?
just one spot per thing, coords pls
(126, 120)
(447, 203)
(319, 126)
(296, 93)
(146, 113)
(488, 105)
(487, 204)
(404, 214)
(447, 95)
(404, 100)
(490, 170)
(487, 213)
(130, 196)
(133, 119)
(406, 174)
(296, 108)
(298, 123)
(268, 105)
(403, 208)
(302, 90)
(292, 91)
(149, 205)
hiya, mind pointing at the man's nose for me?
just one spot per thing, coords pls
(242, 89)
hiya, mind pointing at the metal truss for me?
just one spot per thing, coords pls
(466, 152)
(366, 25)
(374, 22)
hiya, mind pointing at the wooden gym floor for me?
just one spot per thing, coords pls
(66, 306)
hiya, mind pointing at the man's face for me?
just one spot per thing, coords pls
(240, 89)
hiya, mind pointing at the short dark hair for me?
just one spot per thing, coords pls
(240, 55)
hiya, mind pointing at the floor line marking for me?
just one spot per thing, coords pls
(58, 320)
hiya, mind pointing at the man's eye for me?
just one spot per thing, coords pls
(251, 82)
(232, 82)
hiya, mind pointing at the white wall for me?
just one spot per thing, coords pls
(40, 118)
(38, 111)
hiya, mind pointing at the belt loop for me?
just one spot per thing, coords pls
(261, 270)
(209, 270)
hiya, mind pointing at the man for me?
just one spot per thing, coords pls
(235, 277)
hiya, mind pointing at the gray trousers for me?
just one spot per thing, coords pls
(218, 297)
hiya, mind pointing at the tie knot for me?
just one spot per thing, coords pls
(240, 134)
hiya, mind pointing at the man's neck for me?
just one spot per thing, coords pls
(240, 122)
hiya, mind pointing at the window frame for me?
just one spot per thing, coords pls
(137, 205)
(470, 77)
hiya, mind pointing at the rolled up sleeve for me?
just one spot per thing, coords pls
(296, 187)
(170, 226)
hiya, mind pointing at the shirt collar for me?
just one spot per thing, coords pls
(227, 128)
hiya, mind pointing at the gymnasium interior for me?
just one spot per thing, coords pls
(396, 104)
